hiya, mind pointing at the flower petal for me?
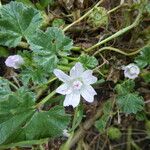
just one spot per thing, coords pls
(88, 78)
(61, 75)
(77, 70)
(72, 99)
(63, 89)
(88, 93)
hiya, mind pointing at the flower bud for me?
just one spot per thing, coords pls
(14, 61)
(131, 71)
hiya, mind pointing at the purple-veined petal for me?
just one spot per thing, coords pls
(72, 99)
(61, 75)
(63, 89)
(88, 78)
(77, 70)
(88, 93)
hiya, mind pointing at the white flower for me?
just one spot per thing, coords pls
(76, 85)
(131, 71)
(14, 61)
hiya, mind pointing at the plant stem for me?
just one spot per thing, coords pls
(81, 18)
(64, 68)
(117, 50)
(13, 85)
(129, 138)
(45, 99)
(70, 58)
(120, 32)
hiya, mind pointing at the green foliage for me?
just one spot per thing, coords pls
(4, 88)
(141, 116)
(42, 4)
(146, 77)
(114, 133)
(102, 122)
(126, 87)
(31, 71)
(17, 21)
(130, 103)
(35, 74)
(48, 45)
(128, 100)
(143, 59)
(58, 23)
(26, 2)
(88, 62)
(20, 121)
(98, 17)
(3, 52)
(147, 8)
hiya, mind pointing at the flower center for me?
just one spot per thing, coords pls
(77, 85)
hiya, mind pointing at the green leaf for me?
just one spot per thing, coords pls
(4, 88)
(45, 3)
(58, 23)
(26, 2)
(130, 103)
(19, 101)
(89, 62)
(102, 123)
(128, 100)
(98, 17)
(3, 52)
(31, 71)
(107, 111)
(146, 77)
(48, 45)
(20, 121)
(143, 59)
(141, 116)
(52, 41)
(35, 74)
(17, 21)
(125, 87)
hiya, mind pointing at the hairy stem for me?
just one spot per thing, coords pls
(45, 99)
(81, 18)
(120, 32)
(117, 50)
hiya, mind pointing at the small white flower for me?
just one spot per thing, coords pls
(76, 85)
(14, 61)
(131, 71)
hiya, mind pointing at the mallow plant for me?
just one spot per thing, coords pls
(46, 77)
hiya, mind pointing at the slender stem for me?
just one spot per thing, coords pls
(46, 99)
(120, 32)
(65, 68)
(13, 85)
(70, 58)
(129, 138)
(81, 18)
(117, 50)
(75, 48)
